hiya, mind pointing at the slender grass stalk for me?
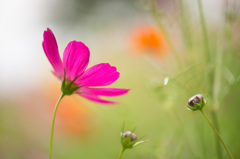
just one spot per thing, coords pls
(172, 79)
(218, 146)
(163, 29)
(218, 135)
(52, 127)
(217, 80)
(155, 66)
(121, 153)
(204, 29)
(206, 46)
(182, 127)
(185, 24)
(211, 87)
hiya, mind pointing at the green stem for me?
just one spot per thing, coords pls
(212, 91)
(164, 31)
(216, 88)
(52, 127)
(184, 21)
(206, 44)
(218, 135)
(173, 79)
(204, 29)
(218, 144)
(120, 156)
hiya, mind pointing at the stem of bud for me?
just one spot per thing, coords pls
(218, 135)
(120, 156)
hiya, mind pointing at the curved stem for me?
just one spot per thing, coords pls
(213, 80)
(218, 135)
(218, 144)
(120, 156)
(52, 127)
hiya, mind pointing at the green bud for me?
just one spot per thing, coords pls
(129, 140)
(196, 102)
(128, 133)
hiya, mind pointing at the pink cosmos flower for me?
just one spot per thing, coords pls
(73, 74)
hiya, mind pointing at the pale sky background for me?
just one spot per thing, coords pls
(22, 61)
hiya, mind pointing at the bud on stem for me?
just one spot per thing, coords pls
(128, 133)
(196, 102)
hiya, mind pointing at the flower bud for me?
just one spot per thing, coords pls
(129, 140)
(196, 99)
(196, 102)
(128, 133)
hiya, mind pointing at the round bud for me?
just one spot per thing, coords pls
(128, 133)
(196, 99)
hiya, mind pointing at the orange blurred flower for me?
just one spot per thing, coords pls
(73, 116)
(148, 39)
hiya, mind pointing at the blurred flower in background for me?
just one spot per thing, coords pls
(149, 40)
(73, 117)
(26, 132)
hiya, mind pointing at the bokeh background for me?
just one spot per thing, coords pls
(129, 35)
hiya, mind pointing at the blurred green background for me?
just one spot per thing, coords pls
(149, 42)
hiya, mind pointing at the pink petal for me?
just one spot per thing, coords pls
(75, 59)
(99, 75)
(95, 98)
(105, 91)
(51, 50)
